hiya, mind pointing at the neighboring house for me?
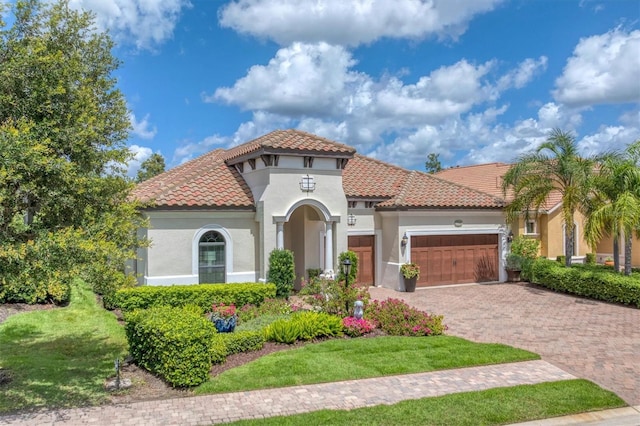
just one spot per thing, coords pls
(547, 225)
(217, 218)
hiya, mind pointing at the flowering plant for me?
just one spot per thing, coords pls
(410, 270)
(220, 310)
(355, 327)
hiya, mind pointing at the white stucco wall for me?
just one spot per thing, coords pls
(174, 240)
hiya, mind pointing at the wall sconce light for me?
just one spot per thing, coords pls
(307, 184)
(404, 240)
(457, 223)
(351, 220)
(510, 237)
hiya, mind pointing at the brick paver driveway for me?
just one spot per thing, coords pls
(593, 340)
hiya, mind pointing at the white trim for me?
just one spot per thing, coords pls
(378, 258)
(359, 232)
(167, 280)
(554, 208)
(321, 208)
(228, 248)
(535, 227)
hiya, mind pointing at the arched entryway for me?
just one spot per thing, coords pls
(211, 258)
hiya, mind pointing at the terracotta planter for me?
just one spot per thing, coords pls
(608, 263)
(410, 284)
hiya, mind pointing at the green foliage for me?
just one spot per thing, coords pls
(63, 131)
(590, 259)
(593, 281)
(333, 297)
(201, 295)
(313, 273)
(353, 258)
(396, 318)
(433, 165)
(175, 343)
(241, 341)
(261, 322)
(268, 307)
(152, 166)
(303, 326)
(282, 271)
(525, 247)
(561, 259)
(514, 262)
(410, 270)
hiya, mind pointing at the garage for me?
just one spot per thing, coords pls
(455, 259)
(363, 247)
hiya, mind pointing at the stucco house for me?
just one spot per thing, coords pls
(217, 218)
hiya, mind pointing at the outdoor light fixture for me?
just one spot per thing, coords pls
(404, 240)
(307, 184)
(346, 270)
(351, 220)
(510, 237)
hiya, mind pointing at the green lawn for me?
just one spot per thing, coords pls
(347, 359)
(60, 357)
(491, 407)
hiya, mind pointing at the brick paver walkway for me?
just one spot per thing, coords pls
(594, 340)
(212, 409)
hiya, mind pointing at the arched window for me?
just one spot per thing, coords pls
(211, 258)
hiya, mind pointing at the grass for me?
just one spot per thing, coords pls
(348, 359)
(60, 357)
(490, 407)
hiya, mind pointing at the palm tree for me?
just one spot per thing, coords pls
(555, 165)
(614, 208)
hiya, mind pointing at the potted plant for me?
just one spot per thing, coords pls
(410, 273)
(224, 317)
(609, 261)
(513, 265)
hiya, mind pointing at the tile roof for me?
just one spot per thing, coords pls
(209, 181)
(488, 178)
(289, 140)
(206, 181)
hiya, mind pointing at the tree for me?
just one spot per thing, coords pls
(152, 166)
(433, 164)
(554, 166)
(63, 131)
(614, 208)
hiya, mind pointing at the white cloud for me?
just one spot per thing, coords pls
(523, 74)
(142, 129)
(351, 22)
(140, 153)
(604, 69)
(144, 23)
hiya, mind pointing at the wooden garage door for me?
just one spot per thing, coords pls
(455, 259)
(363, 246)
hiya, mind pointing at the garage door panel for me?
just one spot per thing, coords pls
(455, 259)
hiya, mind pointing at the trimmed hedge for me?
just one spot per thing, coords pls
(175, 343)
(304, 326)
(201, 295)
(241, 341)
(586, 280)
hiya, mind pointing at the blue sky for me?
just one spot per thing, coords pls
(473, 80)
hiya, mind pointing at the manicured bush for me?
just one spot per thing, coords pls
(202, 295)
(592, 281)
(261, 322)
(561, 259)
(525, 247)
(241, 341)
(175, 343)
(282, 271)
(396, 318)
(268, 307)
(590, 259)
(303, 326)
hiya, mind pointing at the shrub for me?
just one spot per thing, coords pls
(241, 341)
(592, 281)
(561, 259)
(590, 259)
(514, 262)
(353, 258)
(410, 270)
(260, 323)
(282, 271)
(313, 273)
(355, 327)
(202, 295)
(333, 297)
(268, 307)
(525, 247)
(397, 318)
(175, 343)
(303, 326)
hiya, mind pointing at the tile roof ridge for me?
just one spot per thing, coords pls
(319, 137)
(402, 194)
(494, 163)
(384, 163)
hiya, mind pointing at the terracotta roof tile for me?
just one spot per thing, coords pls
(289, 140)
(369, 178)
